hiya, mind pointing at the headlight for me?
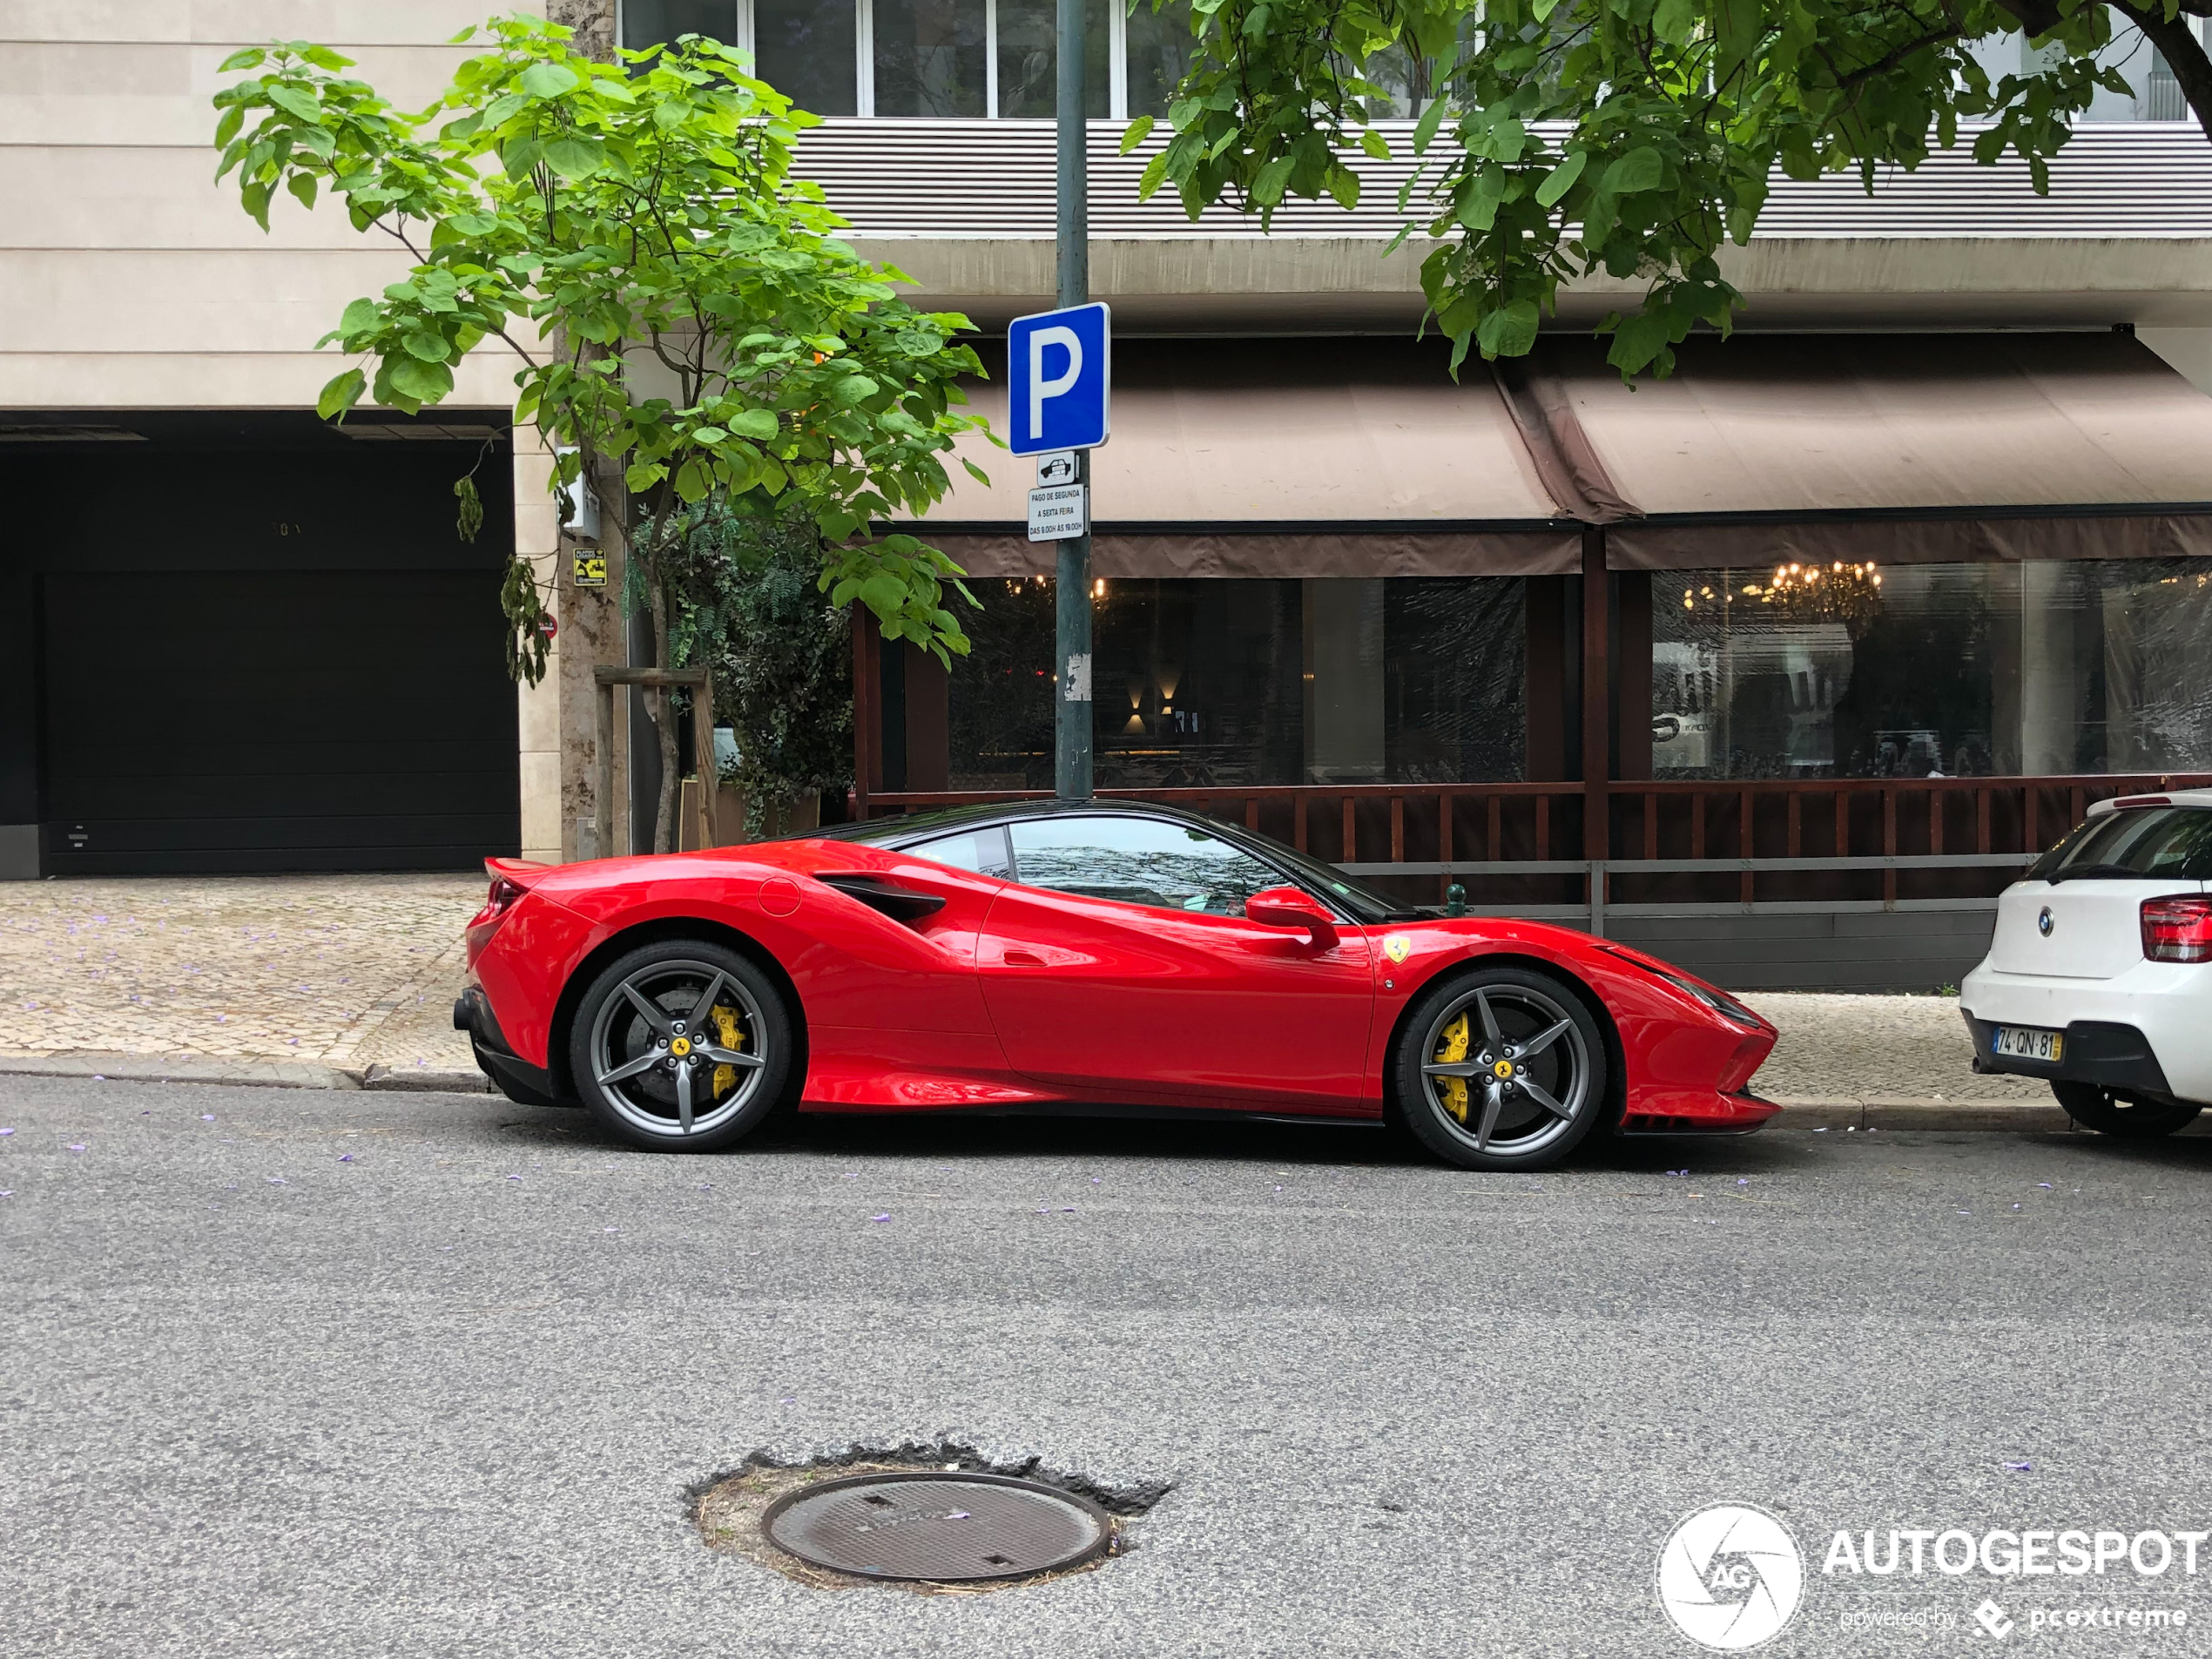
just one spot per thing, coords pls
(1720, 1002)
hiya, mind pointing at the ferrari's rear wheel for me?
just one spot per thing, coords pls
(2108, 1113)
(682, 1046)
(1501, 1068)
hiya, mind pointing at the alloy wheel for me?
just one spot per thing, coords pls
(1507, 1069)
(679, 1048)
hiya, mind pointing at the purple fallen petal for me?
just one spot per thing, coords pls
(881, 1218)
(207, 1117)
(345, 1157)
(2021, 1468)
(957, 1515)
(6, 1131)
(77, 1146)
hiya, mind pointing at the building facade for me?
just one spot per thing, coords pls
(1780, 667)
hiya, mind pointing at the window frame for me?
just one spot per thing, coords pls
(864, 68)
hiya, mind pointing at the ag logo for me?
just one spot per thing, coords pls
(1398, 947)
(1729, 1577)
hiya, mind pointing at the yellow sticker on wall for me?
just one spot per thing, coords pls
(1397, 947)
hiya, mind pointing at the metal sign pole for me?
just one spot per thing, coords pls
(1071, 702)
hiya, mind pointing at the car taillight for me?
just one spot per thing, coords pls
(499, 902)
(2178, 929)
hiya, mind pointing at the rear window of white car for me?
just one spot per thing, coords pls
(2140, 844)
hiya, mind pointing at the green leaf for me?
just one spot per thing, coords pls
(548, 80)
(1638, 170)
(849, 389)
(250, 57)
(302, 185)
(574, 157)
(1425, 132)
(359, 319)
(1674, 21)
(416, 379)
(709, 435)
(642, 475)
(693, 481)
(1509, 330)
(344, 391)
(292, 101)
(758, 424)
(1139, 130)
(1344, 186)
(1560, 179)
(430, 347)
(228, 128)
(1267, 188)
(1375, 145)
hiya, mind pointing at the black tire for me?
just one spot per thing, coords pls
(1549, 1101)
(624, 1063)
(2130, 1120)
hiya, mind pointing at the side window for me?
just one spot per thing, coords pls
(1137, 860)
(982, 851)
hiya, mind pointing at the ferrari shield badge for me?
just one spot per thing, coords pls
(1397, 947)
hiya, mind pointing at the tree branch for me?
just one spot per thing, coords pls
(2183, 52)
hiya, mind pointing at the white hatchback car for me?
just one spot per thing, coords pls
(2100, 975)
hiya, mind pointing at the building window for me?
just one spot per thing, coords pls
(1239, 683)
(994, 58)
(1847, 670)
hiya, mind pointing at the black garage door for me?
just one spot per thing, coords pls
(334, 720)
(261, 646)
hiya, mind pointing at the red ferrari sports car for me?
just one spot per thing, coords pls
(1064, 956)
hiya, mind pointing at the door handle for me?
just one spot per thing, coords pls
(1022, 959)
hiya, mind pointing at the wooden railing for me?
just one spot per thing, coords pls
(1527, 846)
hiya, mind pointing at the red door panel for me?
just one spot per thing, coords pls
(1100, 997)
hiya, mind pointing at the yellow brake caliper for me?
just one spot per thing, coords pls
(725, 1025)
(1455, 1048)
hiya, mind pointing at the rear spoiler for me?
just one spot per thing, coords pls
(2126, 803)
(523, 873)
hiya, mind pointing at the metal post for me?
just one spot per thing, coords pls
(1072, 708)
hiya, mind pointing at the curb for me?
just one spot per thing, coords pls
(1803, 1115)
(153, 1069)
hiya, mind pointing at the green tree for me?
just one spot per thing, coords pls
(750, 607)
(680, 302)
(1671, 116)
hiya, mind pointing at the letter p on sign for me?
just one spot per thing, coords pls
(1059, 380)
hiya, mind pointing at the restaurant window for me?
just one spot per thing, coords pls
(1201, 683)
(1857, 671)
(935, 58)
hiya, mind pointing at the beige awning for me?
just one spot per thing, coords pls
(1905, 448)
(1284, 458)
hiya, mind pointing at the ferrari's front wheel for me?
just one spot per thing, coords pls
(681, 1046)
(1501, 1068)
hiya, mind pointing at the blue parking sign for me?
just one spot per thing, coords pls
(1059, 380)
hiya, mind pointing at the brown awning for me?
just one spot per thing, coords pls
(1903, 448)
(1282, 458)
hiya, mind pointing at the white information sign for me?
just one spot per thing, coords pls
(1059, 513)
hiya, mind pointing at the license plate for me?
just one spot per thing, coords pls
(2027, 1042)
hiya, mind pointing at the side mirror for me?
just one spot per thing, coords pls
(1293, 907)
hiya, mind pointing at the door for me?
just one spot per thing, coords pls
(1120, 962)
(277, 720)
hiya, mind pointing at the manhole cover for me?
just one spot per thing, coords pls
(938, 1527)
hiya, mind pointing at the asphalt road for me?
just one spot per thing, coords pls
(289, 1373)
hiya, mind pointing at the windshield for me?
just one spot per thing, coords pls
(2145, 843)
(1366, 905)
(1362, 903)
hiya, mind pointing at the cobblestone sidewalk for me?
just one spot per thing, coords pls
(339, 970)
(356, 970)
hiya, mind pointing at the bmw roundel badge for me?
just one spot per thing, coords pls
(2043, 922)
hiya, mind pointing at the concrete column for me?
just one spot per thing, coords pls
(545, 836)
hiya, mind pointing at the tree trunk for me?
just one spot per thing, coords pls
(662, 705)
